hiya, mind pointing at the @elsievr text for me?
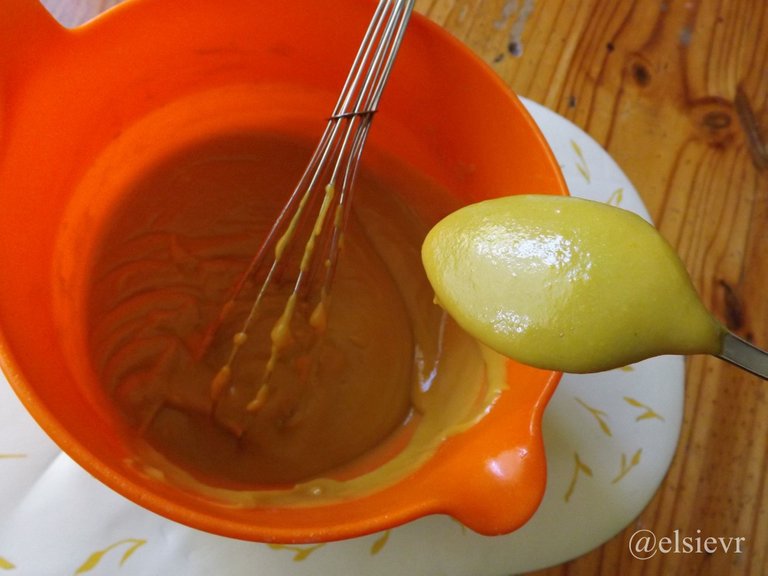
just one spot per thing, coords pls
(645, 544)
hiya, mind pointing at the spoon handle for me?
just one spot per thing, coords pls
(744, 355)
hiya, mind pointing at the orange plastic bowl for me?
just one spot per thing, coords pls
(68, 95)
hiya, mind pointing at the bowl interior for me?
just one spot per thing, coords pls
(89, 109)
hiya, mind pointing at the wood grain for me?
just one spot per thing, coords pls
(677, 92)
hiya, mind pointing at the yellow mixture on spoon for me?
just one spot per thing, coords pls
(566, 284)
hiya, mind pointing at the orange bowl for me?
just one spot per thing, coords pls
(66, 96)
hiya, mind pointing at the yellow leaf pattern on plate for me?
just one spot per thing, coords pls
(648, 414)
(300, 553)
(616, 198)
(626, 467)
(12, 456)
(94, 559)
(6, 564)
(578, 468)
(581, 164)
(378, 546)
(599, 415)
(627, 463)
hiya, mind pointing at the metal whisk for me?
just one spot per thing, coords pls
(328, 180)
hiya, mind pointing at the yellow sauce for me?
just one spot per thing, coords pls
(566, 284)
(368, 381)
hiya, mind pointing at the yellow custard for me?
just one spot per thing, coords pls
(360, 393)
(565, 284)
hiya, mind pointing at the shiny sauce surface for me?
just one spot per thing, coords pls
(389, 377)
(566, 284)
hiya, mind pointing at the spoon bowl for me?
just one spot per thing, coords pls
(572, 285)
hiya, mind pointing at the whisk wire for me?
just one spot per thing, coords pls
(343, 140)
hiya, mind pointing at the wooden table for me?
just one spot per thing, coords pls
(677, 92)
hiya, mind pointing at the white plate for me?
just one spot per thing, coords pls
(609, 438)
